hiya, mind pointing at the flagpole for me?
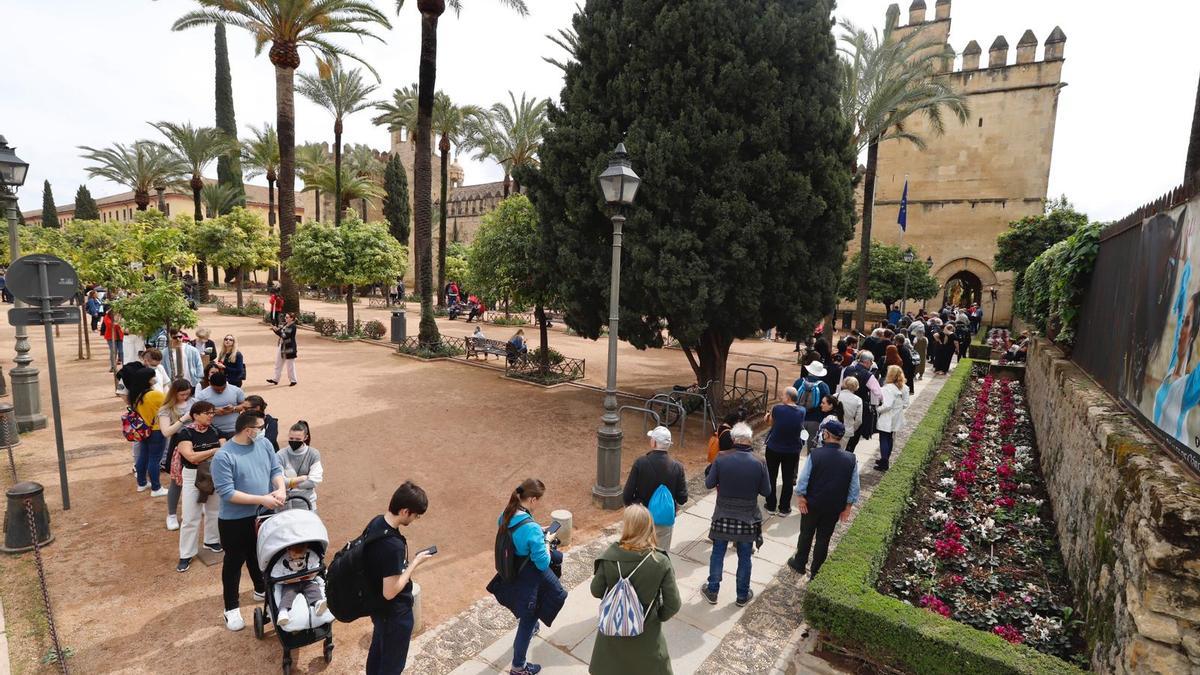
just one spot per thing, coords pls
(903, 229)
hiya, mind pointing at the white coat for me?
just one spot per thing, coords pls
(891, 410)
(852, 410)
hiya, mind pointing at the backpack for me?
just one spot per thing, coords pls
(133, 426)
(815, 398)
(621, 612)
(662, 506)
(508, 563)
(349, 591)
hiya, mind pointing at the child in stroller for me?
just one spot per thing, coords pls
(299, 558)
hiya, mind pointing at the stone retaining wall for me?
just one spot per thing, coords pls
(1128, 519)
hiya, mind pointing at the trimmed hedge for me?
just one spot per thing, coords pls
(843, 603)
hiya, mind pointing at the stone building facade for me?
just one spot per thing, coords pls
(967, 185)
(122, 208)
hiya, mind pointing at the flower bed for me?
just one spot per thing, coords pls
(979, 543)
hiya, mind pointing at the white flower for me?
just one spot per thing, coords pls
(940, 516)
(1031, 521)
(939, 497)
(948, 482)
(963, 436)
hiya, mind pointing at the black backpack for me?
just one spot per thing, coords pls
(349, 592)
(508, 563)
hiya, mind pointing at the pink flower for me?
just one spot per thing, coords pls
(1009, 633)
(1008, 449)
(947, 549)
(1005, 502)
(959, 493)
(952, 530)
(1005, 470)
(935, 604)
(1008, 486)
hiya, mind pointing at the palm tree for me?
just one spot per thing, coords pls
(197, 148)
(511, 135)
(886, 80)
(363, 163)
(260, 155)
(219, 198)
(431, 11)
(343, 93)
(289, 25)
(352, 185)
(310, 158)
(138, 167)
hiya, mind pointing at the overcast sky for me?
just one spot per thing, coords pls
(83, 72)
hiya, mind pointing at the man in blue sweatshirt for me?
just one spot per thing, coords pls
(246, 475)
(827, 490)
(740, 477)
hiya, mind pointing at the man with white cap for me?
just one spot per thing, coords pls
(658, 482)
(810, 389)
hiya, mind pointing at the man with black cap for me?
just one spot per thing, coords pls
(827, 490)
(652, 472)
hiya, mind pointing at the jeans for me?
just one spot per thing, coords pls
(788, 461)
(821, 525)
(173, 492)
(389, 641)
(238, 539)
(193, 511)
(716, 565)
(116, 352)
(149, 456)
(525, 627)
(885, 448)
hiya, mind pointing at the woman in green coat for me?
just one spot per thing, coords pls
(654, 583)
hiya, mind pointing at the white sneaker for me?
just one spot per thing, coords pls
(259, 596)
(143, 488)
(319, 608)
(282, 619)
(233, 619)
(172, 523)
(160, 492)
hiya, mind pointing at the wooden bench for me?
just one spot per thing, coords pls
(477, 346)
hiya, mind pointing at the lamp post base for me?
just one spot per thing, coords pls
(27, 400)
(607, 491)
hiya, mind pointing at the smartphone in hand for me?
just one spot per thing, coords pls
(432, 550)
(554, 527)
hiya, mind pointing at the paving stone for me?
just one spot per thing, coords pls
(474, 667)
(577, 618)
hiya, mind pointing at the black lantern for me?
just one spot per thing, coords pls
(929, 263)
(12, 168)
(909, 256)
(618, 182)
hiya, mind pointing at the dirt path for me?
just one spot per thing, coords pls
(466, 434)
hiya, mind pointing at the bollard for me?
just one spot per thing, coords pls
(416, 608)
(566, 522)
(16, 519)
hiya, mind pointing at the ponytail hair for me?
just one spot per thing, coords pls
(302, 427)
(529, 488)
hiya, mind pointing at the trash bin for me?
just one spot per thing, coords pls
(399, 327)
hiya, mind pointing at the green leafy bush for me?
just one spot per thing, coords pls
(1054, 283)
(509, 321)
(306, 318)
(374, 329)
(441, 351)
(326, 326)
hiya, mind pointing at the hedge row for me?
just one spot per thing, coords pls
(842, 601)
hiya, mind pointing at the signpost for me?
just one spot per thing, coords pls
(46, 281)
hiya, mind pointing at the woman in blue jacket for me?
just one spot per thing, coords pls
(536, 593)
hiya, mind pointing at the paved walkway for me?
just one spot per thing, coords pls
(705, 639)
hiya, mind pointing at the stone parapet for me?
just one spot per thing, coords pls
(1128, 521)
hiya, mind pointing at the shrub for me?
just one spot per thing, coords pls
(253, 307)
(374, 329)
(306, 318)
(509, 321)
(326, 326)
(347, 332)
(1053, 285)
(535, 356)
(442, 350)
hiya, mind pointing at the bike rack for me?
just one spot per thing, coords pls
(747, 387)
(775, 395)
(704, 408)
(644, 411)
(666, 402)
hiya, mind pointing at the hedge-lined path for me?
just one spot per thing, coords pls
(764, 637)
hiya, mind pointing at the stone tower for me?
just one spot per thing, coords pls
(402, 144)
(968, 184)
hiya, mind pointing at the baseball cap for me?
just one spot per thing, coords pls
(661, 436)
(834, 428)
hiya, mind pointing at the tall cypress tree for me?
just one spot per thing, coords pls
(730, 114)
(85, 206)
(49, 212)
(395, 199)
(229, 167)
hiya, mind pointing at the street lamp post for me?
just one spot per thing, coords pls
(993, 291)
(27, 400)
(619, 184)
(908, 258)
(928, 267)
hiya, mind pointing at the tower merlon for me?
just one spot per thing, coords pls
(942, 10)
(998, 53)
(916, 12)
(1027, 47)
(1055, 44)
(971, 56)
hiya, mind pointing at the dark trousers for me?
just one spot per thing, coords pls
(788, 461)
(886, 439)
(96, 321)
(853, 442)
(238, 539)
(819, 526)
(389, 641)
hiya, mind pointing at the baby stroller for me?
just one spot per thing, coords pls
(277, 532)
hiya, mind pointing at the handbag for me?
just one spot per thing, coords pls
(133, 426)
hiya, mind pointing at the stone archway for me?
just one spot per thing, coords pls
(962, 289)
(973, 274)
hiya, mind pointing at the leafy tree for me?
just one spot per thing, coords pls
(85, 206)
(229, 165)
(354, 254)
(395, 199)
(888, 273)
(311, 158)
(49, 211)
(341, 93)
(196, 148)
(289, 26)
(161, 245)
(239, 240)
(139, 167)
(885, 81)
(157, 304)
(1029, 237)
(744, 215)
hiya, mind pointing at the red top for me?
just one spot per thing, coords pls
(276, 301)
(107, 328)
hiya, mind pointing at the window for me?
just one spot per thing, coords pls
(980, 121)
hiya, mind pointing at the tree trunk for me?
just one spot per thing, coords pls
(423, 173)
(544, 361)
(285, 102)
(708, 360)
(516, 186)
(337, 172)
(271, 178)
(87, 339)
(350, 308)
(202, 277)
(240, 278)
(197, 186)
(142, 199)
(362, 209)
(317, 204)
(864, 255)
(444, 149)
(507, 183)
(83, 327)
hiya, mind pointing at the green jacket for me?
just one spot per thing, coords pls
(654, 582)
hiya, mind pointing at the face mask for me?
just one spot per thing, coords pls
(296, 445)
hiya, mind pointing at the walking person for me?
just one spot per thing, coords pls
(944, 346)
(286, 353)
(388, 570)
(182, 360)
(536, 593)
(920, 345)
(149, 452)
(891, 414)
(908, 362)
(783, 446)
(196, 444)
(642, 560)
(869, 392)
(740, 479)
(302, 468)
(172, 417)
(852, 409)
(246, 474)
(114, 336)
(827, 492)
(229, 361)
(656, 472)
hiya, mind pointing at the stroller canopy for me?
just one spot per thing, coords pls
(290, 528)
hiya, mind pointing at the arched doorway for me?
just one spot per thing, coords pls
(962, 289)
